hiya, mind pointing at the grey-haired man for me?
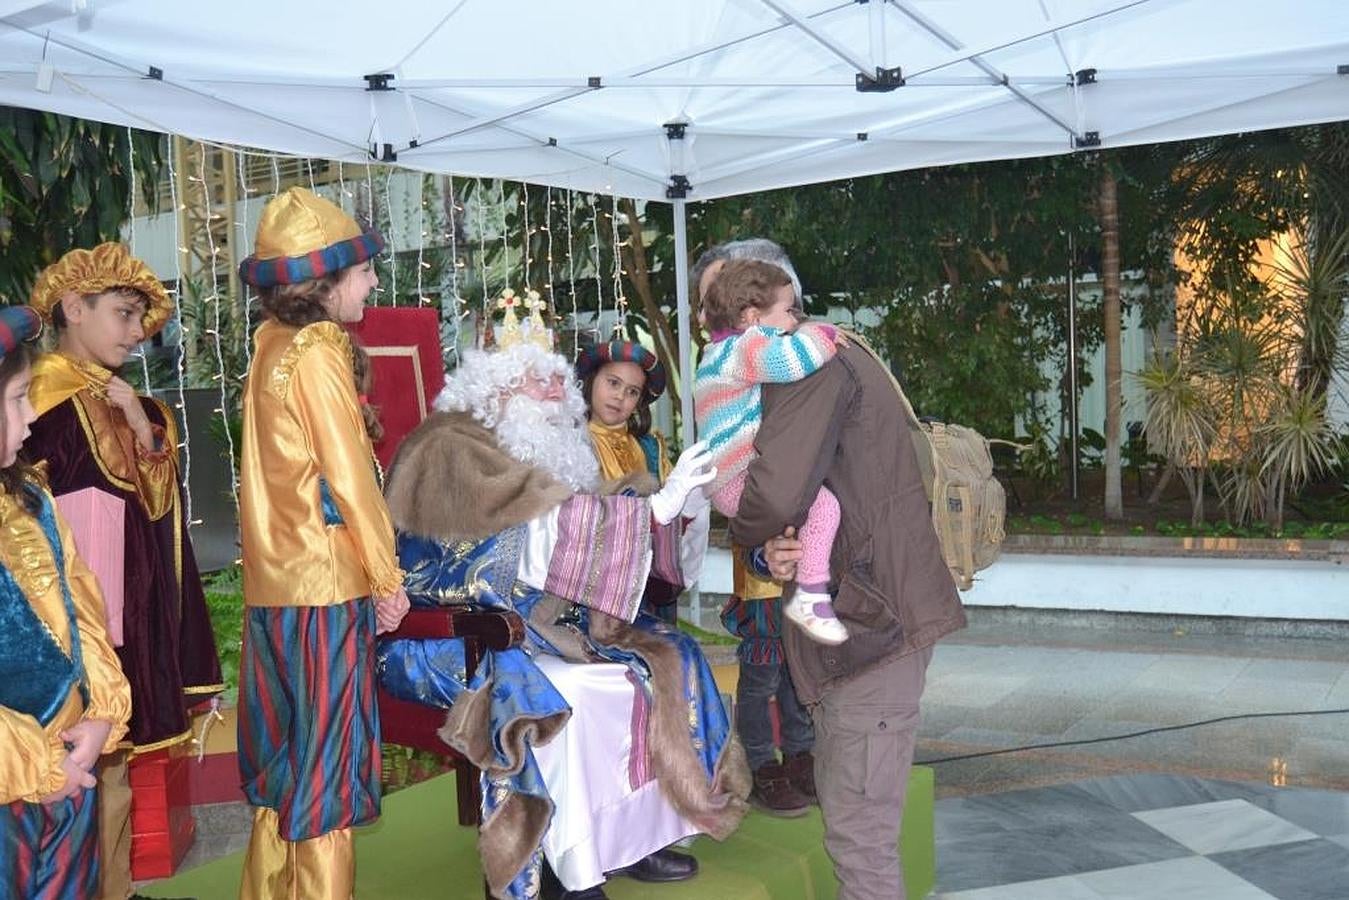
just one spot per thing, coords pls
(843, 427)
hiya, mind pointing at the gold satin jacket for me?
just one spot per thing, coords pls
(620, 454)
(30, 764)
(302, 425)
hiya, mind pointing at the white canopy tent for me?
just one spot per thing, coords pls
(680, 101)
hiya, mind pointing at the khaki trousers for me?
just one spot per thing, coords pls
(114, 827)
(865, 732)
(320, 868)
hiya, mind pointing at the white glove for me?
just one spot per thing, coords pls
(692, 470)
(697, 504)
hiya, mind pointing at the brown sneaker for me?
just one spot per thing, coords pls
(800, 770)
(774, 794)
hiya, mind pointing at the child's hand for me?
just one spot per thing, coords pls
(123, 396)
(77, 779)
(390, 610)
(87, 738)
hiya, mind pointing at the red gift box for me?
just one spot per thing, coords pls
(162, 826)
(406, 368)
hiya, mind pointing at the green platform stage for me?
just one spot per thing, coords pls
(418, 852)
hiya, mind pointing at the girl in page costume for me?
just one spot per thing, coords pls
(320, 575)
(620, 380)
(63, 698)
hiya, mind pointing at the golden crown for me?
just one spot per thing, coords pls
(533, 330)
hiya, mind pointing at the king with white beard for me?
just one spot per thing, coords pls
(604, 740)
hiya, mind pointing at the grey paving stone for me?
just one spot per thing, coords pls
(1309, 870)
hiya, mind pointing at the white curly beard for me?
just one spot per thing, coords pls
(553, 436)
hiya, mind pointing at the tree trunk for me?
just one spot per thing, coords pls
(1108, 209)
(1194, 486)
(639, 274)
(1160, 487)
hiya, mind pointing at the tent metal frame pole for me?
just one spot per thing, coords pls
(146, 71)
(509, 113)
(966, 53)
(681, 235)
(876, 21)
(824, 40)
(512, 128)
(976, 59)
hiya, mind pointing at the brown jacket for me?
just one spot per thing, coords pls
(843, 427)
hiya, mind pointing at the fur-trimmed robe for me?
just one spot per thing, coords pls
(450, 481)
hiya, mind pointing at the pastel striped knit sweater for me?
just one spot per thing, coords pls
(726, 392)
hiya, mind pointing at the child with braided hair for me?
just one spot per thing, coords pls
(756, 339)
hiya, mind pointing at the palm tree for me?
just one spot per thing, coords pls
(1108, 211)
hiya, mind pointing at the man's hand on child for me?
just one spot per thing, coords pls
(123, 396)
(390, 610)
(782, 553)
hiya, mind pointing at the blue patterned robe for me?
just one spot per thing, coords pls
(523, 703)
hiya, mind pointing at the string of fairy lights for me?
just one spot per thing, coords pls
(449, 247)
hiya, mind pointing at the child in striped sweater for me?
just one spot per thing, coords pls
(749, 310)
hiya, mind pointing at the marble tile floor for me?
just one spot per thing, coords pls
(1145, 837)
(1251, 808)
(994, 688)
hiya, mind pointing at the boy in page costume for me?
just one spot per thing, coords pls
(494, 499)
(93, 431)
(63, 698)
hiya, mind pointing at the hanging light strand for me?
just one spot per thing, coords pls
(131, 237)
(482, 246)
(422, 299)
(620, 300)
(213, 298)
(505, 242)
(595, 264)
(243, 241)
(548, 230)
(571, 272)
(524, 208)
(393, 237)
(183, 335)
(450, 313)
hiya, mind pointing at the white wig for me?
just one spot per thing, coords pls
(549, 434)
(484, 377)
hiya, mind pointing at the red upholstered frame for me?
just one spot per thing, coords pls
(407, 369)
(415, 725)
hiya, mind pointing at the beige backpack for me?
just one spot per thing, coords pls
(968, 503)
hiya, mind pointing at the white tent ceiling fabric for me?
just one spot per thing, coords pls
(579, 94)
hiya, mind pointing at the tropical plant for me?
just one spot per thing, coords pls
(64, 183)
(1179, 422)
(1297, 443)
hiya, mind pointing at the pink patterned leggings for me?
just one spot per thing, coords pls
(816, 533)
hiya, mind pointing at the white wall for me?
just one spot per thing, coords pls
(1190, 586)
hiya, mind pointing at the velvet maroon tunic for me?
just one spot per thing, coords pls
(169, 652)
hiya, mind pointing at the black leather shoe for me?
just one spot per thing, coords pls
(663, 865)
(553, 889)
(590, 893)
